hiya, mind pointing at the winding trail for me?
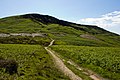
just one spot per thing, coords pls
(60, 64)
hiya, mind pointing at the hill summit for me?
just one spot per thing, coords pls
(63, 32)
(46, 19)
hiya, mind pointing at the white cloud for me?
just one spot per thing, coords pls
(106, 21)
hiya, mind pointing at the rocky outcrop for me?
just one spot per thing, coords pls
(23, 34)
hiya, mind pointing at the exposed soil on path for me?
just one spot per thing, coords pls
(87, 72)
(60, 65)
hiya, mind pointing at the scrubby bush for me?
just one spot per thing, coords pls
(9, 65)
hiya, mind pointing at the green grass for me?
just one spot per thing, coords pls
(34, 63)
(78, 41)
(77, 72)
(100, 56)
(103, 60)
(19, 25)
(62, 34)
(43, 41)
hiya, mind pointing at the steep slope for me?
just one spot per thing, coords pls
(62, 31)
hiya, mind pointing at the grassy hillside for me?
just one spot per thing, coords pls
(43, 41)
(88, 46)
(62, 31)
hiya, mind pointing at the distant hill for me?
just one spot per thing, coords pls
(63, 32)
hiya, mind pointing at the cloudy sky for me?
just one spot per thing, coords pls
(109, 21)
(103, 13)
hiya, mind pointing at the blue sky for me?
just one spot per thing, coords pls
(79, 11)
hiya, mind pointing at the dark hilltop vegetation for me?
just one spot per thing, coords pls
(23, 38)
